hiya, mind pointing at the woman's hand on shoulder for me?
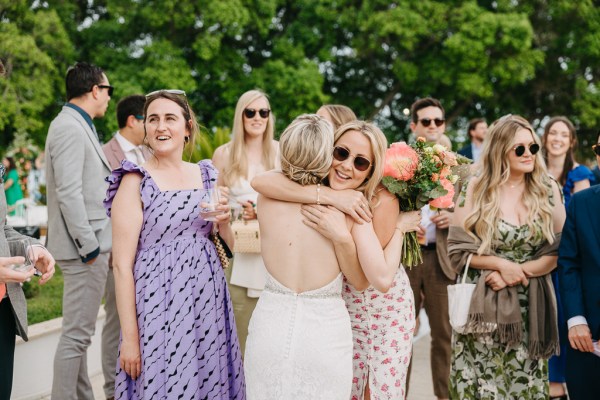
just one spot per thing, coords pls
(349, 201)
(328, 221)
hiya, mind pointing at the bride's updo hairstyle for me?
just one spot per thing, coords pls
(306, 149)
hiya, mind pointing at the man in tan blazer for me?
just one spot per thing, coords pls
(435, 274)
(79, 231)
(126, 144)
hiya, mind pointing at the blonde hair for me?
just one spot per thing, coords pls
(378, 146)
(483, 220)
(237, 165)
(340, 114)
(306, 149)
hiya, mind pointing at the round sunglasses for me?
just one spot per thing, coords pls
(251, 112)
(427, 121)
(520, 149)
(596, 148)
(342, 154)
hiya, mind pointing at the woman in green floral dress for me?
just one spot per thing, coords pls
(508, 219)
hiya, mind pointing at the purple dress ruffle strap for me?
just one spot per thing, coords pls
(114, 181)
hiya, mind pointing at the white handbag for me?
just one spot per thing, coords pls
(459, 300)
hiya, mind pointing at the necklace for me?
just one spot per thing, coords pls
(514, 185)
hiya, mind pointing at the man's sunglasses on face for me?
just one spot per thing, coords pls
(427, 121)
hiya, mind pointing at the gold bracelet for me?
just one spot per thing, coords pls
(318, 194)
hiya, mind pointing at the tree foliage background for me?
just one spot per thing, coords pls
(482, 58)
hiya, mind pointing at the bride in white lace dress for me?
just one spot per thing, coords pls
(299, 342)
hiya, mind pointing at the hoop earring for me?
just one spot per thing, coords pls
(186, 139)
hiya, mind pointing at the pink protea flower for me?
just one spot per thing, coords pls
(446, 200)
(401, 161)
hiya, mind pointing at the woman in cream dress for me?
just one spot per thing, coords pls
(251, 150)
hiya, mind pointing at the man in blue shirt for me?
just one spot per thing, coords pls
(477, 130)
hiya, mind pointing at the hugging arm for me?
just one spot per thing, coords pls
(275, 185)
(332, 224)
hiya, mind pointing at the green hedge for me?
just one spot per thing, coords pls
(47, 303)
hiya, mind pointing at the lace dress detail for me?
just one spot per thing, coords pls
(299, 344)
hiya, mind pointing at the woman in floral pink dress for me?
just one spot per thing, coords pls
(382, 323)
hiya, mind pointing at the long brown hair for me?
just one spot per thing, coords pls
(570, 156)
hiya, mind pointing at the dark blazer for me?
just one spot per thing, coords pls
(579, 259)
(466, 151)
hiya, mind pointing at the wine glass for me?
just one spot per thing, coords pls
(22, 247)
(209, 207)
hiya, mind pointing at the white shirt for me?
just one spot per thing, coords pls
(426, 214)
(132, 152)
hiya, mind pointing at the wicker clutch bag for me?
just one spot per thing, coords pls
(247, 236)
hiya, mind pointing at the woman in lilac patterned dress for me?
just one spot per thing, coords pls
(178, 337)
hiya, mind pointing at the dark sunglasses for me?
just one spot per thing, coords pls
(520, 149)
(342, 154)
(427, 121)
(110, 89)
(596, 149)
(251, 112)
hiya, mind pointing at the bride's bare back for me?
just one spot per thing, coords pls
(297, 256)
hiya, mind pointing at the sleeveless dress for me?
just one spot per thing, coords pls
(248, 269)
(299, 344)
(188, 340)
(482, 368)
(382, 332)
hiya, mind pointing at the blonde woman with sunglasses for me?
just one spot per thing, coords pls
(508, 219)
(251, 151)
(381, 306)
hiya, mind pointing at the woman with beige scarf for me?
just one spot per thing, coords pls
(509, 217)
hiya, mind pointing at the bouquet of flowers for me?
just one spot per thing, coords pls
(419, 174)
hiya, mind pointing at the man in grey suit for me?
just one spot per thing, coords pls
(79, 231)
(125, 145)
(13, 308)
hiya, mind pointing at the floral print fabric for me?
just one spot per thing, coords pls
(481, 367)
(382, 331)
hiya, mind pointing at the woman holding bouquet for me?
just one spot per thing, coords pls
(513, 215)
(382, 320)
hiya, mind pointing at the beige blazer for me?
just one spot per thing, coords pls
(114, 153)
